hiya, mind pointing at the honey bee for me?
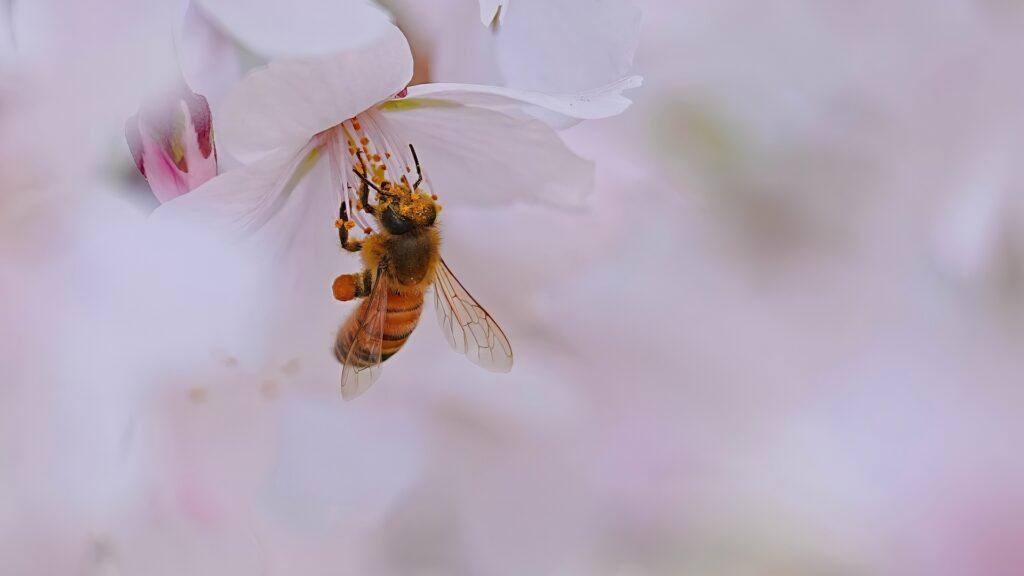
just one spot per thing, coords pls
(401, 261)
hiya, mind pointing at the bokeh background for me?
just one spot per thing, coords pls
(783, 336)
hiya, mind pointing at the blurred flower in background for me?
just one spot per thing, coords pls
(172, 143)
(782, 334)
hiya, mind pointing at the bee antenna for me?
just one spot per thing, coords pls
(419, 172)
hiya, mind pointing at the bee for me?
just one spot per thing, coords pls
(401, 262)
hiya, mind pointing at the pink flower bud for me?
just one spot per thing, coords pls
(171, 140)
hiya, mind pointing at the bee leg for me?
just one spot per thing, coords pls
(364, 198)
(352, 245)
(364, 189)
(349, 286)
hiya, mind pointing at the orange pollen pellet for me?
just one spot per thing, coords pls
(364, 140)
(339, 223)
(383, 167)
(350, 225)
(376, 157)
(433, 197)
(367, 230)
(356, 125)
(359, 205)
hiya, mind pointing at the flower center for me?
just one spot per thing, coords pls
(367, 147)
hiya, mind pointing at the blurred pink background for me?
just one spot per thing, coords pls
(784, 335)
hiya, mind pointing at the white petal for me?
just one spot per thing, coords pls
(283, 209)
(274, 29)
(482, 156)
(286, 103)
(209, 59)
(555, 109)
(268, 199)
(491, 10)
(568, 45)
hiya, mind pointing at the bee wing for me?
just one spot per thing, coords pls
(363, 360)
(469, 329)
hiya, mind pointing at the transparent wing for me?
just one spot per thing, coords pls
(363, 340)
(469, 329)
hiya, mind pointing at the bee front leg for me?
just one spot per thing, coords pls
(364, 199)
(352, 245)
(349, 286)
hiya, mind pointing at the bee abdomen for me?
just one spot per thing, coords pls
(400, 319)
(404, 311)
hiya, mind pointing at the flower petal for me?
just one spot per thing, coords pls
(209, 59)
(486, 157)
(289, 101)
(171, 140)
(253, 200)
(297, 28)
(568, 45)
(555, 109)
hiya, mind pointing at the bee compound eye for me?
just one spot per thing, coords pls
(395, 223)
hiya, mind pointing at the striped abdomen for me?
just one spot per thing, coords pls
(403, 312)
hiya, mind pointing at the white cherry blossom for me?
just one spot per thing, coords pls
(304, 119)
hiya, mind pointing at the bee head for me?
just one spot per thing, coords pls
(403, 211)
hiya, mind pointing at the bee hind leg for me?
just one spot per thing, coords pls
(350, 286)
